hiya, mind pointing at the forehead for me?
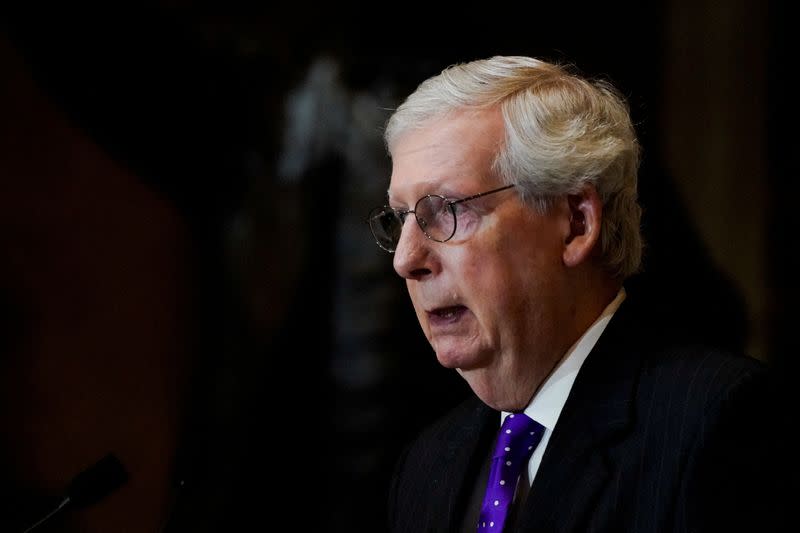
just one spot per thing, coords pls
(450, 155)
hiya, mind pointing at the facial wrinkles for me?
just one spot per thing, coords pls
(512, 299)
(539, 315)
(436, 160)
(511, 373)
(490, 297)
(464, 274)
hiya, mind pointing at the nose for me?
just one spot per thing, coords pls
(412, 256)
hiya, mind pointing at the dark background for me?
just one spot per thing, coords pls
(187, 281)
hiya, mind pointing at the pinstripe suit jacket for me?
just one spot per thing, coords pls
(655, 436)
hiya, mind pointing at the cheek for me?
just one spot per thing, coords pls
(418, 310)
(511, 274)
(492, 282)
(468, 223)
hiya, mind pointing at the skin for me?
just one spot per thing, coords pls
(504, 299)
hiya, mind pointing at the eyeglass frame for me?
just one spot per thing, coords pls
(450, 203)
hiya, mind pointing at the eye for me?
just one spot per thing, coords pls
(463, 209)
(467, 218)
(441, 210)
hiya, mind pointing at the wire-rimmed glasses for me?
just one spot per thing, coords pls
(435, 215)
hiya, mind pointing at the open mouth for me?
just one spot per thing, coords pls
(445, 315)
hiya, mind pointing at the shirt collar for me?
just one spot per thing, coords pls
(546, 405)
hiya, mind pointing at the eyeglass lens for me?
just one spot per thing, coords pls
(433, 213)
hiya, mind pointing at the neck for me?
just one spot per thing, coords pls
(594, 289)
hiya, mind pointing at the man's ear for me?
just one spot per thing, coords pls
(586, 214)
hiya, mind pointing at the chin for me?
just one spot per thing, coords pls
(449, 359)
(457, 352)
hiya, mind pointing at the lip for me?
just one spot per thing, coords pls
(446, 316)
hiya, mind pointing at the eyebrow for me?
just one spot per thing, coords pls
(441, 188)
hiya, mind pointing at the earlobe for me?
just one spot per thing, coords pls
(585, 215)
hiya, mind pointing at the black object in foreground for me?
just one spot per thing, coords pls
(89, 487)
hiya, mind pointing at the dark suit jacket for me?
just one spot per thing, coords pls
(657, 435)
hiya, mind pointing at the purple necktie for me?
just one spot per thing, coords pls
(518, 437)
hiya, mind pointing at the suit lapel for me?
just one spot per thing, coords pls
(462, 458)
(576, 464)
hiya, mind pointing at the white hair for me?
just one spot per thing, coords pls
(562, 132)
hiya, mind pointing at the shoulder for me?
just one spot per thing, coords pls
(671, 383)
(720, 412)
(695, 388)
(662, 359)
(738, 439)
(704, 378)
(700, 372)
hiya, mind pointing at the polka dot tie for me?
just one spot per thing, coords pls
(518, 437)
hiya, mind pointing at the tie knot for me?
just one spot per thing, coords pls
(519, 435)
